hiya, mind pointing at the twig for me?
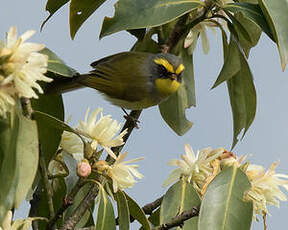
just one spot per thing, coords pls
(81, 209)
(149, 208)
(68, 201)
(179, 220)
(47, 185)
(26, 107)
(34, 207)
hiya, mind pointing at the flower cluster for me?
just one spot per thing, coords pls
(201, 169)
(21, 66)
(100, 131)
(196, 168)
(265, 187)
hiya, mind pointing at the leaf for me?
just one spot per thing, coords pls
(240, 86)
(223, 206)
(253, 12)
(105, 212)
(253, 30)
(27, 157)
(180, 197)
(173, 109)
(231, 65)
(154, 218)
(137, 212)
(49, 136)
(57, 66)
(240, 29)
(71, 164)
(136, 14)
(80, 11)
(52, 6)
(77, 200)
(9, 129)
(123, 211)
(276, 15)
(59, 193)
(242, 95)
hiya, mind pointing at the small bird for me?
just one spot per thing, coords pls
(130, 80)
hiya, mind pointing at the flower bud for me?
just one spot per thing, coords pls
(100, 166)
(83, 168)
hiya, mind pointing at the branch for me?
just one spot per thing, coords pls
(149, 208)
(47, 185)
(179, 220)
(67, 202)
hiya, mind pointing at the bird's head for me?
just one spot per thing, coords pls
(168, 73)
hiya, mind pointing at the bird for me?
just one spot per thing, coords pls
(130, 80)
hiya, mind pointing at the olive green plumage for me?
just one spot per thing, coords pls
(129, 79)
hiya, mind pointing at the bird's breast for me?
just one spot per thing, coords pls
(166, 86)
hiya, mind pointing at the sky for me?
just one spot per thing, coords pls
(265, 142)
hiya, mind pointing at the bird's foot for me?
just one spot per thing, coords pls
(128, 117)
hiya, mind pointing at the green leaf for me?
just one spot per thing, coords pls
(105, 212)
(154, 218)
(52, 6)
(223, 206)
(240, 29)
(253, 30)
(276, 15)
(49, 136)
(123, 211)
(57, 66)
(180, 197)
(136, 14)
(80, 10)
(137, 212)
(71, 164)
(9, 129)
(242, 95)
(253, 12)
(77, 200)
(27, 157)
(59, 193)
(231, 65)
(173, 109)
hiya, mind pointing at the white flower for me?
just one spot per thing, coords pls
(6, 225)
(195, 168)
(123, 174)
(199, 30)
(101, 131)
(265, 187)
(73, 145)
(21, 65)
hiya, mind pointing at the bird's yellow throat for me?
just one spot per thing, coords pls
(166, 86)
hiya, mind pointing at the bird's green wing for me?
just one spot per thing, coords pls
(123, 76)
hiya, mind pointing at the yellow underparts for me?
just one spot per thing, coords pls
(166, 86)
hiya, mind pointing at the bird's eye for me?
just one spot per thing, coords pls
(163, 71)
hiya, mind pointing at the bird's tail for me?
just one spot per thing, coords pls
(65, 84)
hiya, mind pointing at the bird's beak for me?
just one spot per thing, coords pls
(173, 77)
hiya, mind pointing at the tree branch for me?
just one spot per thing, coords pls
(149, 208)
(46, 183)
(179, 220)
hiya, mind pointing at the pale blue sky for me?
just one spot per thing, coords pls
(266, 141)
